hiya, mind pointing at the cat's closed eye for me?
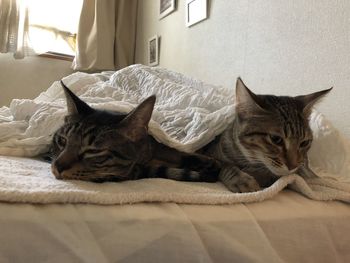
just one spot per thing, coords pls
(92, 152)
(96, 155)
(102, 158)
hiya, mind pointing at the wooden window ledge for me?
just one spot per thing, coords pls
(55, 55)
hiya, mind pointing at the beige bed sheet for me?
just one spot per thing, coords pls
(286, 228)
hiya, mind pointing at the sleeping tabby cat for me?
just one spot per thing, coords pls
(98, 146)
(269, 138)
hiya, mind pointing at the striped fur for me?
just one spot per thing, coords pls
(99, 146)
(269, 138)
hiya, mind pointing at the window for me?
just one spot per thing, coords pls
(53, 25)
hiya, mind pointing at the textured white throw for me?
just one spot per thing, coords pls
(188, 114)
(30, 181)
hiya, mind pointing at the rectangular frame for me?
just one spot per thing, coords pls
(196, 11)
(166, 7)
(153, 51)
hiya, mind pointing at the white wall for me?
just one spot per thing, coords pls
(26, 78)
(281, 47)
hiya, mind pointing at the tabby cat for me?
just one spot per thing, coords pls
(95, 145)
(269, 138)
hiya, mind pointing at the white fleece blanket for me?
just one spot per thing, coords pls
(30, 181)
(188, 114)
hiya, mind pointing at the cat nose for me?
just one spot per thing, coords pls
(62, 163)
(55, 171)
(57, 168)
(292, 165)
(292, 161)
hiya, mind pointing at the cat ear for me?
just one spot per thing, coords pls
(308, 101)
(135, 124)
(246, 101)
(74, 104)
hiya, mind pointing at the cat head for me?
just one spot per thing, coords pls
(274, 130)
(97, 145)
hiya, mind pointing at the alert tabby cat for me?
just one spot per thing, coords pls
(269, 138)
(95, 145)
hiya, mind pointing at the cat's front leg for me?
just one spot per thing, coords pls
(306, 172)
(238, 181)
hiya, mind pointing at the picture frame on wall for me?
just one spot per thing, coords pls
(166, 7)
(153, 51)
(196, 11)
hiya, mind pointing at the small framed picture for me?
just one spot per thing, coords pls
(196, 11)
(166, 7)
(153, 48)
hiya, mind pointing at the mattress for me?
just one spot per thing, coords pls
(287, 228)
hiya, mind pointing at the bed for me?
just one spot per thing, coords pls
(286, 228)
(157, 220)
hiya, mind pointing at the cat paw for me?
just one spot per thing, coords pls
(243, 183)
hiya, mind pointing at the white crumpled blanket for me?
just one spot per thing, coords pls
(188, 114)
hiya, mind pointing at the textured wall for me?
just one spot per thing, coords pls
(26, 78)
(280, 47)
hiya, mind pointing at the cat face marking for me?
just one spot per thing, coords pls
(94, 144)
(274, 131)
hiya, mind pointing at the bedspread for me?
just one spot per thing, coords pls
(286, 228)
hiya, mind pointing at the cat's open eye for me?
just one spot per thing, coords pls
(277, 140)
(305, 143)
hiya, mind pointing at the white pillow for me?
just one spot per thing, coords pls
(329, 153)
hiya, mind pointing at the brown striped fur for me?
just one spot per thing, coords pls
(269, 138)
(99, 146)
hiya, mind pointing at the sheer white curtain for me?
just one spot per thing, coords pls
(106, 35)
(29, 27)
(14, 28)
